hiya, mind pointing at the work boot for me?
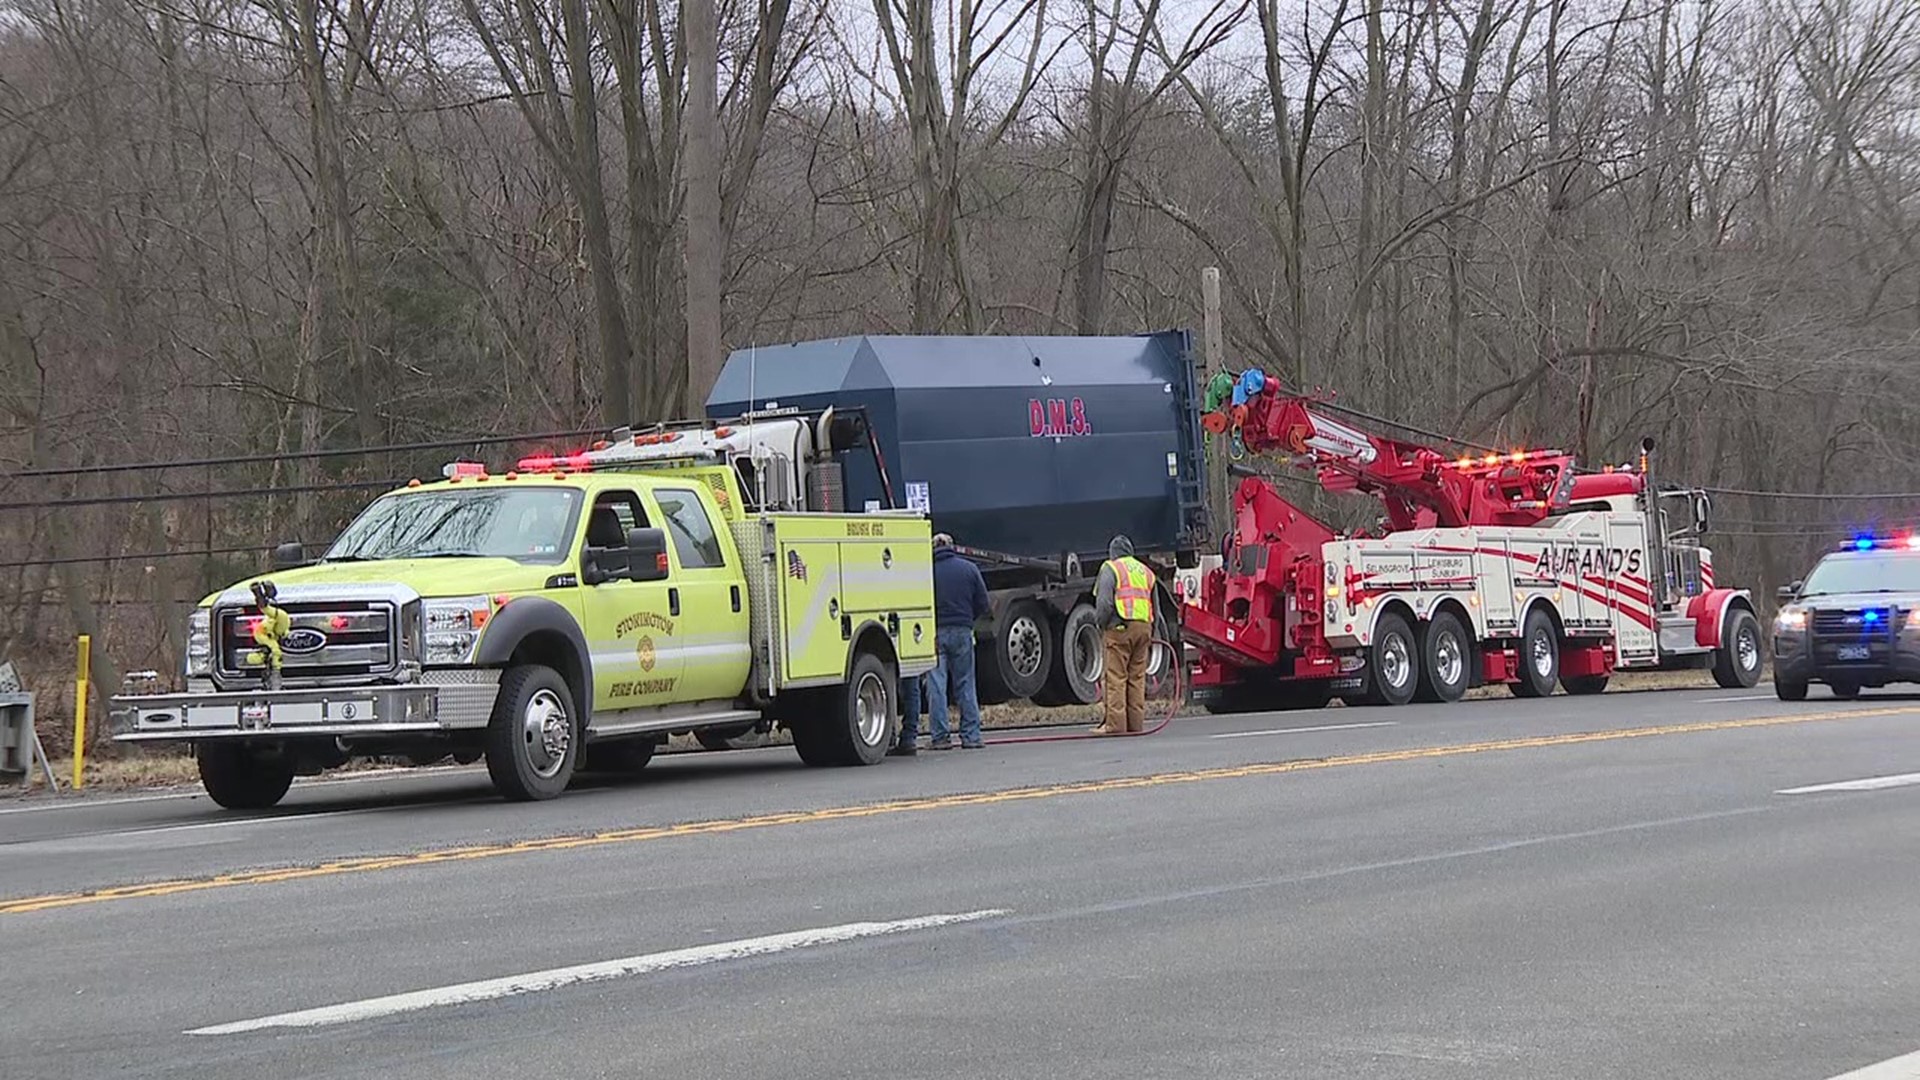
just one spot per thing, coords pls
(904, 749)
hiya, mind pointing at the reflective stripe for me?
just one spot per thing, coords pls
(1132, 589)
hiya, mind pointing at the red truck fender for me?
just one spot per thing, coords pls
(1709, 613)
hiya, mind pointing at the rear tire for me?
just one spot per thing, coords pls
(1584, 684)
(1790, 690)
(1736, 663)
(1445, 660)
(1539, 656)
(239, 779)
(1393, 663)
(1015, 660)
(1079, 661)
(533, 739)
(854, 724)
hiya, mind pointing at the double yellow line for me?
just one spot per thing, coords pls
(336, 867)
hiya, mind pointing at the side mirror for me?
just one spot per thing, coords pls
(289, 556)
(1786, 593)
(1702, 511)
(599, 565)
(646, 555)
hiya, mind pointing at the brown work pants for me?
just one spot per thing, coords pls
(1128, 647)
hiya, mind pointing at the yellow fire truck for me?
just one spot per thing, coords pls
(570, 613)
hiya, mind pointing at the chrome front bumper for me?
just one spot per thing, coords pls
(341, 711)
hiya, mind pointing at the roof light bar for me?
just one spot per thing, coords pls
(1871, 542)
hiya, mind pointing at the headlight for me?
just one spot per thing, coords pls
(1791, 621)
(1913, 618)
(453, 628)
(200, 643)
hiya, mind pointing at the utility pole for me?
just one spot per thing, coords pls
(704, 254)
(1214, 352)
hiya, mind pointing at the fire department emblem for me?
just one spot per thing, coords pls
(796, 566)
(645, 651)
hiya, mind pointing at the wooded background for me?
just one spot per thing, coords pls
(254, 229)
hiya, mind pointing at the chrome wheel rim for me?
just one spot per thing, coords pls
(1542, 653)
(1089, 653)
(1747, 646)
(1449, 660)
(873, 710)
(1025, 646)
(1162, 672)
(1395, 661)
(547, 732)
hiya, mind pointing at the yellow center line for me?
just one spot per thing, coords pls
(367, 864)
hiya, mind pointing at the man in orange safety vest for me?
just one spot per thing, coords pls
(1123, 601)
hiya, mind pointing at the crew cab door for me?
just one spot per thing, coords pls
(708, 596)
(632, 627)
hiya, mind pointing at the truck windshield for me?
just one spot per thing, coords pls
(1891, 572)
(530, 524)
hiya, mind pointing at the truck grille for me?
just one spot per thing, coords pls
(327, 640)
(1864, 624)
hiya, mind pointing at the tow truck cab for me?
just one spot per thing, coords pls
(1853, 622)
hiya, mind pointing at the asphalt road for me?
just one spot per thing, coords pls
(1598, 887)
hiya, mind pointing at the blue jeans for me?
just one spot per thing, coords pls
(912, 704)
(951, 683)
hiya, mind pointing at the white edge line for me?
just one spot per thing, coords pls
(1904, 1067)
(533, 982)
(1301, 730)
(1871, 783)
(1743, 697)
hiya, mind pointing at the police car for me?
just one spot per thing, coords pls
(1854, 621)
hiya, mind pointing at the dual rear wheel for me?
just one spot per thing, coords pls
(1432, 664)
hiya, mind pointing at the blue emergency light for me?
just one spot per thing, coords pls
(1870, 542)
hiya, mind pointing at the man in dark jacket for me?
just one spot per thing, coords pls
(959, 601)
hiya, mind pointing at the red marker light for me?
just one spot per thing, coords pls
(338, 622)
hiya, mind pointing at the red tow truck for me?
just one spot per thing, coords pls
(1507, 568)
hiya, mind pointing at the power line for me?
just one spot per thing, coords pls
(180, 496)
(297, 455)
(149, 556)
(1816, 496)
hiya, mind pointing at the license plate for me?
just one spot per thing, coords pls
(1853, 652)
(254, 714)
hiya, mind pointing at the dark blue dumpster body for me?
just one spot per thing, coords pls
(1030, 446)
